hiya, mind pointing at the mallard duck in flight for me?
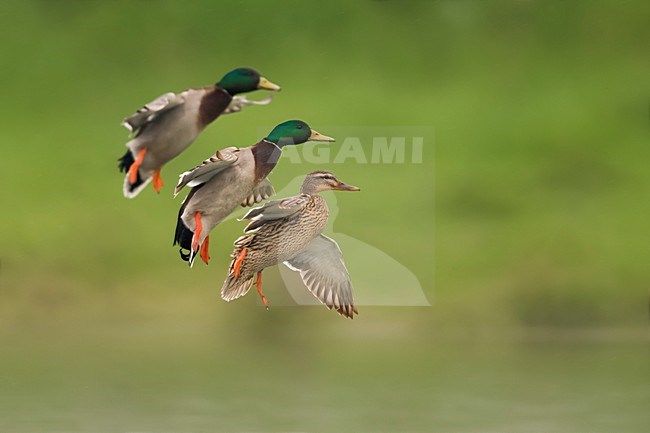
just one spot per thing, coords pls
(289, 231)
(168, 125)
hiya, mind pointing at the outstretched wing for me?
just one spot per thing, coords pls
(239, 102)
(273, 211)
(150, 111)
(322, 270)
(261, 192)
(207, 169)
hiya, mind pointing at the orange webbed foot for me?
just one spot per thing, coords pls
(133, 170)
(157, 180)
(239, 261)
(197, 231)
(258, 283)
(205, 254)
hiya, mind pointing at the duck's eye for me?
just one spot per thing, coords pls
(299, 126)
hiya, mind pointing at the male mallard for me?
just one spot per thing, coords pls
(167, 126)
(289, 231)
(230, 178)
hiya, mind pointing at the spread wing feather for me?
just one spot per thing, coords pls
(261, 192)
(150, 111)
(322, 270)
(208, 168)
(239, 102)
(274, 210)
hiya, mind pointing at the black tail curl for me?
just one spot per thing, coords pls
(126, 161)
(183, 238)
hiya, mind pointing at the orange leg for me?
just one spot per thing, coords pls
(157, 180)
(133, 170)
(197, 231)
(239, 261)
(205, 254)
(259, 290)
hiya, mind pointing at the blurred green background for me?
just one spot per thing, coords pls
(526, 224)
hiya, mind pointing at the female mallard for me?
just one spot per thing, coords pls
(167, 126)
(289, 231)
(230, 178)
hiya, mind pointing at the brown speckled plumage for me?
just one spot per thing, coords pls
(282, 239)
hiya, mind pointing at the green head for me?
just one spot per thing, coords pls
(295, 132)
(242, 80)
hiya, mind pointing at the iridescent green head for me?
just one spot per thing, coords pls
(295, 132)
(242, 80)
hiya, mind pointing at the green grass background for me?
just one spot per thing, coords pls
(526, 223)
